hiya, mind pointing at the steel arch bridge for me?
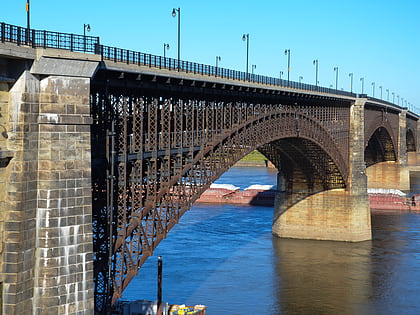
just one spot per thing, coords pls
(116, 145)
(159, 142)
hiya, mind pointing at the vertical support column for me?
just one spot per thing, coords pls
(402, 155)
(360, 224)
(64, 260)
(19, 209)
(402, 138)
(417, 137)
(48, 257)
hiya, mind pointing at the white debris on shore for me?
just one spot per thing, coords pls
(261, 187)
(384, 191)
(224, 186)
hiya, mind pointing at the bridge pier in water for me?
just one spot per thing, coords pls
(46, 222)
(336, 214)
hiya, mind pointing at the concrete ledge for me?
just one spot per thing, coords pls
(11, 50)
(64, 67)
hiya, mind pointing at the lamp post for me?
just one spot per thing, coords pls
(287, 52)
(387, 94)
(351, 82)
(174, 14)
(398, 99)
(28, 15)
(281, 73)
(336, 77)
(218, 58)
(165, 48)
(380, 87)
(373, 89)
(253, 67)
(363, 83)
(315, 62)
(245, 37)
(393, 97)
(86, 27)
(300, 79)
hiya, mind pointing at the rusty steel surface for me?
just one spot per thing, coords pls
(153, 155)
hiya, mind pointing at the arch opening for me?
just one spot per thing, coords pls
(410, 141)
(380, 148)
(305, 166)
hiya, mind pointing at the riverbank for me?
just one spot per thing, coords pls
(381, 200)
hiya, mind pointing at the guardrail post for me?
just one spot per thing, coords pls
(3, 32)
(33, 38)
(71, 42)
(18, 36)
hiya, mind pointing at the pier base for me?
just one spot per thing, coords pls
(333, 215)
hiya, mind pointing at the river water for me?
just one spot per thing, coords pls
(225, 257)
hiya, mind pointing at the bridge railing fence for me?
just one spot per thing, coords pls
(91, 44)
(47, 39)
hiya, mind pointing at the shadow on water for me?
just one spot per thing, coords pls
(322, 277)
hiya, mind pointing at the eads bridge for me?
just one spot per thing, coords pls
(102, 151)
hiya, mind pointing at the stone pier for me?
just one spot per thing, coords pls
(338, 215)
(45, 190)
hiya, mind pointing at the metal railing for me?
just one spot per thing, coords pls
(91, 44)
(47, 39)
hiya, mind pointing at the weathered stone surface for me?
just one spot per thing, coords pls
(46, 266)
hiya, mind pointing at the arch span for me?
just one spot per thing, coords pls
(186, 176)
(380, 147)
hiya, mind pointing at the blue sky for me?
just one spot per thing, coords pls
(377, 40)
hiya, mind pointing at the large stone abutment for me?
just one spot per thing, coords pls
(45, 190)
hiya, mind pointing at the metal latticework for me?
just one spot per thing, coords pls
(153, 156)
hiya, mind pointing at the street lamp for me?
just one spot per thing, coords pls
(300, 79)
(351, 82)
(287, 52)
(315, 62)
(86, 27)
(398, 99)
(218, 58)
(373, 89)
(336, 77)
(380, 87)
(165, 48)
(281, 73)
(245, 37)
(28, 16)
(387, 94)
(174, 11)
(393, 97)
(253, 67)
(363, 83)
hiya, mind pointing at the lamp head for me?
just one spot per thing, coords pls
(173, 12)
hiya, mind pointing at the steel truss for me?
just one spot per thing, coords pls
(154, 155)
